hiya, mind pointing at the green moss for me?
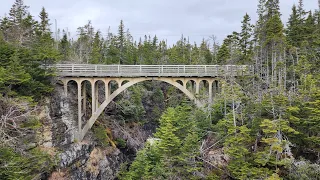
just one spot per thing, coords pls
(33, 123)
(121, 143)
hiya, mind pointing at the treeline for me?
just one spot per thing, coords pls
(261, 127)
(121, 48)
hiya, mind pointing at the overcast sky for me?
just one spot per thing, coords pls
(168, 19)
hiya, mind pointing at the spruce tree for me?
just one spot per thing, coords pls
(44, 25)
(309, 29)
(96, 56)
(294, 30)
(121, 42)
(64, 47)
(21, 26)
(245, 41)
(223, 54)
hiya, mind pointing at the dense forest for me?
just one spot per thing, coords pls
(263, 126)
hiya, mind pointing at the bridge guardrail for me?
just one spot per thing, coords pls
(87, 70)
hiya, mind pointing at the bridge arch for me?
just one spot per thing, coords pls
(125, 86)
(180, 76)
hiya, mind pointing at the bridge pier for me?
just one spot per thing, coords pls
(93, 97)
(197, 84)
(106, 89)
(96, 89)
(79, 108)
(210, 92)
(84, 98)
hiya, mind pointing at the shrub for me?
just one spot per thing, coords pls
(101, 135)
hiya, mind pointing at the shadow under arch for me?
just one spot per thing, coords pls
(121, 89)
(70, 84)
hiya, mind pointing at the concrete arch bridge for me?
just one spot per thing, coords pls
(117, 78)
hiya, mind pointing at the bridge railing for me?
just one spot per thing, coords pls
(151, 70)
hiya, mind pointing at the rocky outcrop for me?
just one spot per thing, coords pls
(77, 160)
(62, 113)
(101, 164)
(87, 160)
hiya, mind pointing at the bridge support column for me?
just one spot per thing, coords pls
(84, 98)
(210, 92)
(184, 83)
(106, 89)
(96, 95)
(197, 87)
(109, 88)
(214, 91)
(79, 109)
(217, 87)
(93, 97)
(197, 84)
(65, 87)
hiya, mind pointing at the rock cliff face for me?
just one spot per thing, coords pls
(87, 160)
(79, 160)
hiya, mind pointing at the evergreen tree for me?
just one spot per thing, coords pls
(246, 43)
(64, 47)
(273, 8)
(301, 11)
(294, 29)
(205, 54)
(44, 26)
(309, 29)
(121, 42)
(20, 25)
(83, 45)
(96, 55)
(223, 54)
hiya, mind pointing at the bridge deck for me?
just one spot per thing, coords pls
(97, 70)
